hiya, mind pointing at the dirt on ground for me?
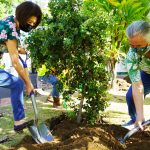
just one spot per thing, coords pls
(68, 135)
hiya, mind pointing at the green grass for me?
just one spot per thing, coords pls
(147, 101)
(6, 123)
(122, 99)
(118, 99)
(115, 113)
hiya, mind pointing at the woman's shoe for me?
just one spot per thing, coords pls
(26, 124)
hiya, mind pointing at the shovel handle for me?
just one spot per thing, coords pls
(31, 93)
(34, 106)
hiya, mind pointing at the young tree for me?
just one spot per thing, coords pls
(74, 41)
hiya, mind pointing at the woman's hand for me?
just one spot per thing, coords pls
(29, 88)
(22, 50)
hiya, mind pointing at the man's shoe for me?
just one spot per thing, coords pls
(129, 125)
(18, 128)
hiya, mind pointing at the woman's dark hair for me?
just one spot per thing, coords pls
(26, 10)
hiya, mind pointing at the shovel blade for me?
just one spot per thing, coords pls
(4, 139)
(45, 133)
(35, 134)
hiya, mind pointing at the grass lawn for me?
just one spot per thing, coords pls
(122, 99)
(6, 123)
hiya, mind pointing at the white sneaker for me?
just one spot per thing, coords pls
(129, 125)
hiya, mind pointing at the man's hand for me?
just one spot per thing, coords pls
(138, 123)
(138, 97)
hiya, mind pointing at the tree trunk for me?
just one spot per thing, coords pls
(79, 117)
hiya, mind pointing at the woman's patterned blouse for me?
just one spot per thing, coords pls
(8, 30)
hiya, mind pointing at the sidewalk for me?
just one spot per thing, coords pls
(5, 102)
(120, 113)
(122, 107)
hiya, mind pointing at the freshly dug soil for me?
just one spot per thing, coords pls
(68, 135)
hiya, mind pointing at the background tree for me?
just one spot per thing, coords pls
(7, 7)
(119, 13)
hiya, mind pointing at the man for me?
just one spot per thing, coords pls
(138, 66)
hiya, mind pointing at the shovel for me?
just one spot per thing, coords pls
(133, 131)
(40, 133)
(4, 139)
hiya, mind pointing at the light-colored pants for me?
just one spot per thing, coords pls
(129, 97)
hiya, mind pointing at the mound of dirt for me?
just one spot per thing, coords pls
(122, 85)
(68, 135)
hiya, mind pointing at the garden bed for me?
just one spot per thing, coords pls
(68, 135)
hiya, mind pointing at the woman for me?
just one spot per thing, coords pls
(27, 17)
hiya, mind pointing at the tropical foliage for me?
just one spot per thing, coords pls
(7, 7)
(120, 13)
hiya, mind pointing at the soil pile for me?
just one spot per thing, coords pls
(69, 135)
(122, 85)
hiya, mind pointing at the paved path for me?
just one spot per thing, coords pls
(122, 109)
(5, 93)
(5, 101)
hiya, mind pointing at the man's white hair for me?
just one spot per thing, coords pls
(139, 28)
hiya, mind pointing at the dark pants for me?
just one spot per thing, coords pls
(129, 98)
(16, 85)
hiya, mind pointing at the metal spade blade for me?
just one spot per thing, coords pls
(41, 133)
(44, 132)
(35, 133)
